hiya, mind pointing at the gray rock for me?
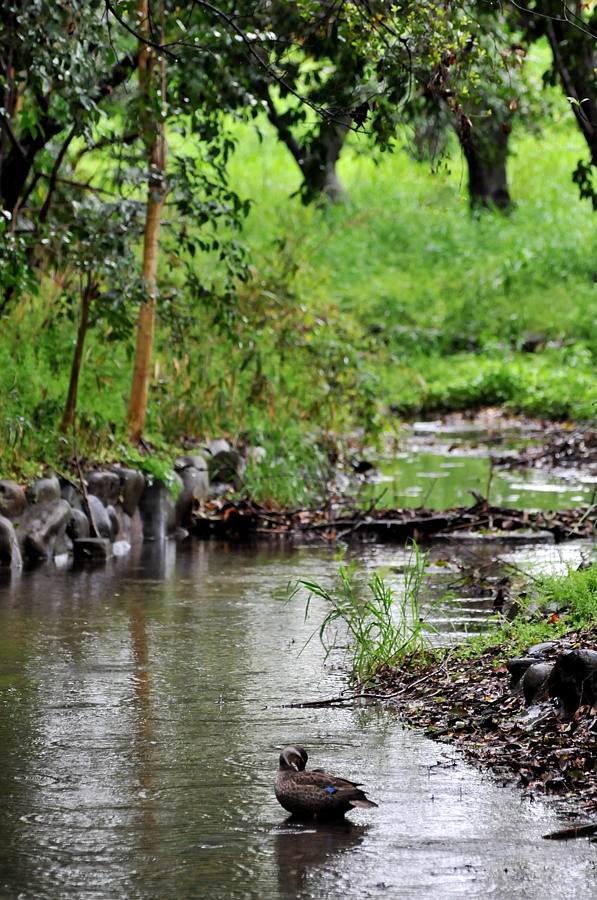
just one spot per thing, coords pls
(85, 549)
(132, 485)
(194, 461)
(12, 499)
(114, 520)
(540, 651)
(42, 531)
(99, 519)
(43, 490)
(10, 555)
(78, 525)
(158, 511)
(534, 682)
(105, 485)
(219, 445)
(226, 466)
(73, 496)
(574, 679)
(194, 490)
(518, 666)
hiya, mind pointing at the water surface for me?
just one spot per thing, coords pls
(143, 707)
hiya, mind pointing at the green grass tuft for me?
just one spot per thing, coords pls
(381, 630)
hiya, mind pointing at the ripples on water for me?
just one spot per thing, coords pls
(142, 716)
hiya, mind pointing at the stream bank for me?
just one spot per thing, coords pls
(478, 704)
(94, 513)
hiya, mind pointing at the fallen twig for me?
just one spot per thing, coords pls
(566, 834)
(316, 704)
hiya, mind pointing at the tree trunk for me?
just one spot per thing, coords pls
(317, 159)
(70, 407)
(137, 407)
(19, 161)
(155, 144)
(485, 147)
(318, 167)
(575, 60)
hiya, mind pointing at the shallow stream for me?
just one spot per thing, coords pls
(439, 465)
(143, 707)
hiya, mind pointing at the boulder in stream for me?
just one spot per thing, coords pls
(100, 521)
(105, 485)
(85, 549)
(44, 489)
(42, 531)
(574, 679)
(132, 485)
(194, 476)
(12, 499)
(10, 555)
(225, 465)
(78, 525)
(158, 511)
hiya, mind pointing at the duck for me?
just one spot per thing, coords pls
(314, 794)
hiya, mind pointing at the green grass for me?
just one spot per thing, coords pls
(446, 302)
(379, 628)
(553, 606)
(383, 629)
(396, 303)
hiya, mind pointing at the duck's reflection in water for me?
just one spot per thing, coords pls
(302, 848)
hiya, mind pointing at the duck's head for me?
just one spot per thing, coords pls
(293, 757)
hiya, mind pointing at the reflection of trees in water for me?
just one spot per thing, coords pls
(303, 848)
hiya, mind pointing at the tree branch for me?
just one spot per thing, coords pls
(54, 175)
(142, 38)
(220, 14)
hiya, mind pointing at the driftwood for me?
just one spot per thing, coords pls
(566, 834)
(320, 704)
(246, 519)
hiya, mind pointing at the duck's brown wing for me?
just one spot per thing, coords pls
(342, 790)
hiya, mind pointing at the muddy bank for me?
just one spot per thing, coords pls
(478, 704)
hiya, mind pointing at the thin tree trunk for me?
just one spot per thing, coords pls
(70, 407)
(146, 320)
(155, 144)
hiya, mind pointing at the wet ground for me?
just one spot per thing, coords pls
(538, 745)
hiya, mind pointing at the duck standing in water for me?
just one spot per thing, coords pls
(314, 794)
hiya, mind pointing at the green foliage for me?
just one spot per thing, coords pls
(556, 605)
(286, 467)
(382, 630)
(315, 324)
(157, 468)
(558, 384)
(575, 593)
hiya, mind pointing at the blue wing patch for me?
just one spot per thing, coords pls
(331, 790)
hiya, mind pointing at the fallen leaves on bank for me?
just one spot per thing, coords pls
(471, 703)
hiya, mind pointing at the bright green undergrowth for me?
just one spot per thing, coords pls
(396, 303)
(560, 604)
(426, 283)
